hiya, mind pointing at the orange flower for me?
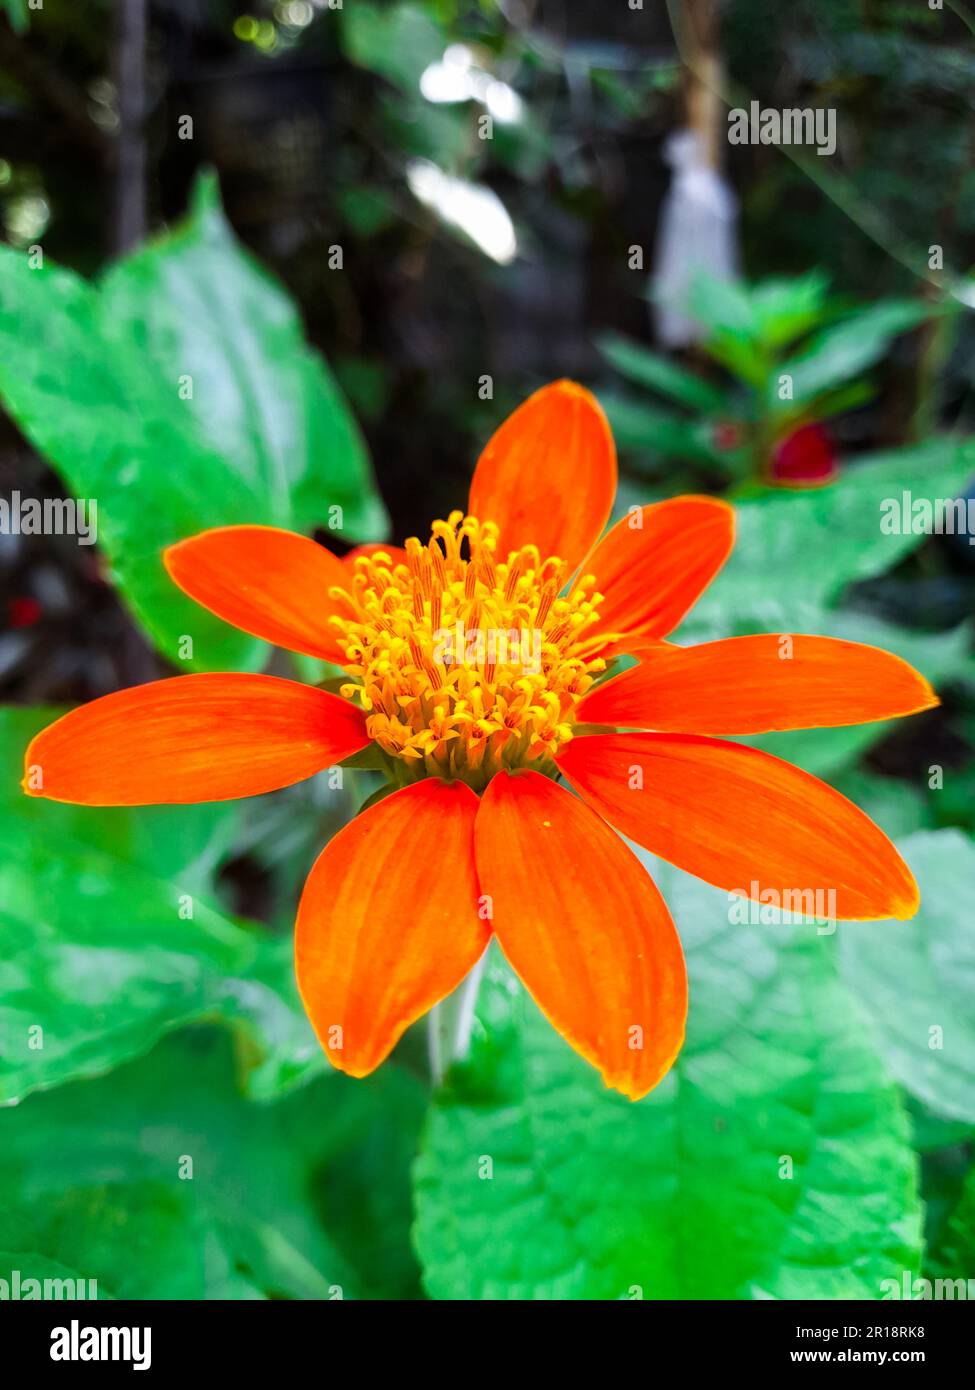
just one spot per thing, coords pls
(473, 662)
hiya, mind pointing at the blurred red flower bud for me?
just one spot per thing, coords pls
(23, 612)
(805, 459)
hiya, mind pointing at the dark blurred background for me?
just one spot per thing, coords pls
(335, 126)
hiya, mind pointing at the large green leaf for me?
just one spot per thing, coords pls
(97, 950)
(179, 394)
(797, 551)
(917, 979)
(129, 450)
(536, 1182)
(97, 1179)
(196, 303)
(17, 1267)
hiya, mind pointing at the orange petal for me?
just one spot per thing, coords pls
(271, 583)
(742, 820)
(388, 922)
(651, 574)
(192, 738)
(585, 928)
(548, 476)
(749, 685)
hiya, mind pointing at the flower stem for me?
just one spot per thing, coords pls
(435, 1043)
(466, 1005)
(450, 1022)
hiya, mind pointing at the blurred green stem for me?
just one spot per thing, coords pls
(939, 336)
(449, 1024)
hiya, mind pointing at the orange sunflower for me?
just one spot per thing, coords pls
(474, 665)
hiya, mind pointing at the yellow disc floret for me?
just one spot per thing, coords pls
(463, 662)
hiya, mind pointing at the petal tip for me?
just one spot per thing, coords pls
(901, 902)
(357, 1070)
(168, 556)
(634, 1090)
(728, 516)
(573, 393)
(567, 387)
(635, 1086)
(31, 761)
(907, 906)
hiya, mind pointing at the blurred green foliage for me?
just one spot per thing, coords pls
(17, 12)
(795, 356)
(151, 947)
(180, 388)
(160, 1181)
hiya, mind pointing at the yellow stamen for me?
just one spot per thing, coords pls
(464, 665)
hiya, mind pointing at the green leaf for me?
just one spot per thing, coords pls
(723, 306)
(786, 308)
(823, 752)
(790, 415)
(738, 355)
(953, 1252)
(96, 375)
(198, 304)
(658, 373)
(536, 1182)
(898, 807)
(17, 13)
(846, 349)
(56, 1280)
(796, 552)
(916, 979)
(96, 949)
(645, 428)
(933, 1132)
(98, 1178)
(398, 41)
(115, 442)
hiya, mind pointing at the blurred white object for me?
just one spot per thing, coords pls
(476, 211)
(457, 77)
(698, 232)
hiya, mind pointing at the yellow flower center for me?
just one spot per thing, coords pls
(464, 663)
